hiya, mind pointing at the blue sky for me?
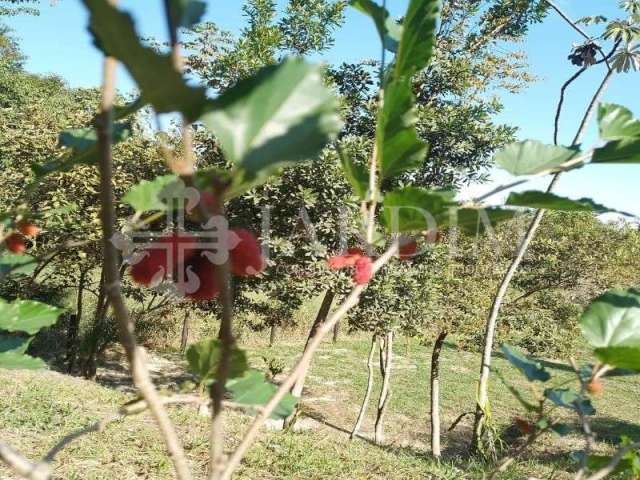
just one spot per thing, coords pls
(57, 42)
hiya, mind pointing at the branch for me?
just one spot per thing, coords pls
(351, 301)
(586, 425)
(135, 354)
(610, 468)
(22, 466)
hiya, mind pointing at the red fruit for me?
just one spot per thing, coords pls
(28, 229)
(524, 426)
(246, 257)
(364, 271)
(338, 262)
(347, 260)
(152, 268)
(163, 256)
(408, 248)
(15, 243)
(595, 387)
(200, 276)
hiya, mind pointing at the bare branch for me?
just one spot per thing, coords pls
(22, 466)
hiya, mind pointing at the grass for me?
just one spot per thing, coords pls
(37, 408)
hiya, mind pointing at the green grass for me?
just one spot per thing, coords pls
(37, 408)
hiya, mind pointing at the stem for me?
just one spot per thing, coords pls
(490, 329)
(584, 422)
(609, 469)
(135, 354)
(367, 394)
(352, 300)
(22, 466)
(321, 316)
(435, 394)
(385, 393)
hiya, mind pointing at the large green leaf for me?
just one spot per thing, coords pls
(389, 30)
(204, 359)
(613, 319)
(418, 37)
(27, 316)
(551, 201)
(532, 369)
(621, 357)
(284, 114)
(14, 264)
(254, 389)
(150, 195)
(17, 361)
(186, 13)
(566, 398)
(479, 220)
(14, 344)
(618, 151)
(357, 175)
(399, 148)
(616, 122)
(84, 143)
(160, 83)
(531, 157)
(413, 209)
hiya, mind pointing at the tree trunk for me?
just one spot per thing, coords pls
(435, 394)
(273, 333)
(321, 316)
(102, 304)
(490, 329)
(367, 395)
(74, 325)
(336, 333)
(385, 393)
(184, 339)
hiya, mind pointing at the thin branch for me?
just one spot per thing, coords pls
(588, 434)
(556, 125)
(22, 466)
(135, 354)
(352, 300)
(617, 458)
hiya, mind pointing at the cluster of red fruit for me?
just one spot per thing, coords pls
(16, 241)
(182, 257)
(363, 265)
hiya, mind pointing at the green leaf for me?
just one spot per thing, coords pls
(284, 114)
(613, 320)
(532, 369)
(160, 83)
(616, 122)
(618, 151)
(478, 220)
(14, 344)
(27, 316)
(565, 398)
(204, 359)
(597, 462)
(531, 157)
(418, 37)
(413, 209)
(561, 429)
(253, 389)
(389, 30)
(186, 13)
(151, 195)
(551, 201)
(357, 175)
(16, 361)
(13, 264)
(84, 143)
(621, 357)
(399, 148)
